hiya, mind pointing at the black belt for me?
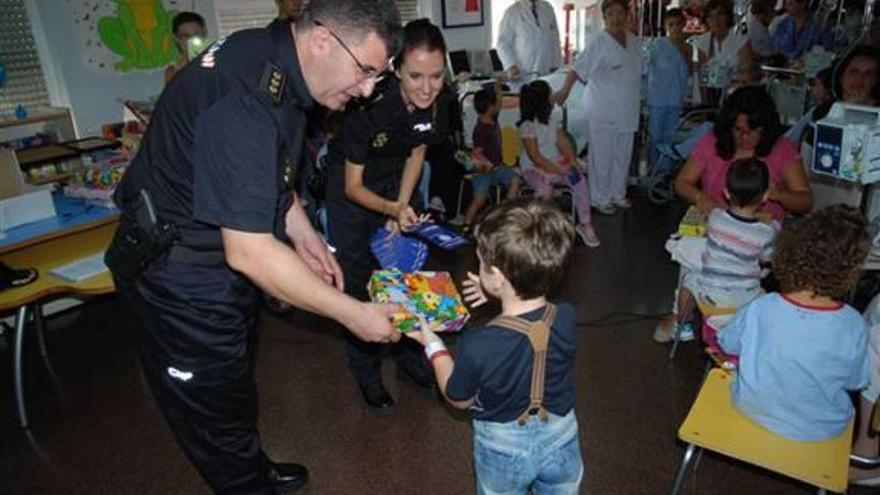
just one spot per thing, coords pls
(186, 254)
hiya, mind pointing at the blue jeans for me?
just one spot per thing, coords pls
(501, 175)
(538, 456)
(661, 122)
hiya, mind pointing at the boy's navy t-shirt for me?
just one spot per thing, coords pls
(494, 365)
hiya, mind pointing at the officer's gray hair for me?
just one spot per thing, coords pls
(355, 19)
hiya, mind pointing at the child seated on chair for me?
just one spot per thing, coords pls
(487, 150)
(803, 349)
(737, 242)
(516, 374)
(548, 157)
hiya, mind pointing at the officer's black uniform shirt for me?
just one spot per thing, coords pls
(215, 153)
(381, 136)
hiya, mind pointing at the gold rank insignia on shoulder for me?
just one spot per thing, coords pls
(380, 140)
(273, 82)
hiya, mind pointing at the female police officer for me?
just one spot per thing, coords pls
(374, 163)
(207, 213)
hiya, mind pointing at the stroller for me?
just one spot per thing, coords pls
(694, 123)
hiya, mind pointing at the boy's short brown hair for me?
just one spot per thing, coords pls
(822, 253)
(529, 240)
(747, 181)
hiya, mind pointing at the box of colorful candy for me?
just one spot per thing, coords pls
(430, 294)
(97, 182)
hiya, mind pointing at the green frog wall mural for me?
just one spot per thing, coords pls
(139, 34)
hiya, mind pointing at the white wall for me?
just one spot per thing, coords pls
(94, 97)
(500, 6)
(466, 38)
(484, 37)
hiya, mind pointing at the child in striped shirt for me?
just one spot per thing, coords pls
(737, 243)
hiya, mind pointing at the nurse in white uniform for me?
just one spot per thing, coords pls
(611, 65)
(721, 49)
(528, 38)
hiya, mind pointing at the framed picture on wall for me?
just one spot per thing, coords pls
(462, 13)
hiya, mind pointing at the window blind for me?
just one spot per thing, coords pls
(233, 15)
(25, 83)
(409, 10)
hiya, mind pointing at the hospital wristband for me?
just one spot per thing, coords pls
(433, 347)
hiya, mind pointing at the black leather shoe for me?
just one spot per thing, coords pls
(417, 372)
(376, 397)
(287, 478)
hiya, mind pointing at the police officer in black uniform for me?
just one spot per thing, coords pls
(374, 162)
(209, 212)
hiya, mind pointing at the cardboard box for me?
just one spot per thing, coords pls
(431, 294)
(693, 223)
(33, 205)
(20, 203)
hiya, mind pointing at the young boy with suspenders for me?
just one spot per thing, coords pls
(516, 374)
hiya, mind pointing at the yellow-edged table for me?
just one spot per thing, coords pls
(45, 252)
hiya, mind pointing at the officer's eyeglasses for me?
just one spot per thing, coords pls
(368, 71)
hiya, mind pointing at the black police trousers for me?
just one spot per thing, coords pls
(350, 230)
(192, 325)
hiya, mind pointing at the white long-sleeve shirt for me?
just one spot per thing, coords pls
(530, 44)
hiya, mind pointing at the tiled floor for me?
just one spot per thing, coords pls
(95, 429)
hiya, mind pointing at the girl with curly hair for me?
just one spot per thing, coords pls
(801, 350)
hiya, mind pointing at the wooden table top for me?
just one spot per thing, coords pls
(59, 250)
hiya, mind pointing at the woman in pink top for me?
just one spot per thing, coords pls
(748, 126)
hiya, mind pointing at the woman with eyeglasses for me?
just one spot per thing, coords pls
(747, 126)
(374, 163)
(185, 25)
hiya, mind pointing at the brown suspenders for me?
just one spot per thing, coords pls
(538, 333)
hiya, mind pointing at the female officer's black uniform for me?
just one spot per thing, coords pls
(380, 137)
(219, 152)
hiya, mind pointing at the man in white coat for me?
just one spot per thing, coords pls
(528, 38)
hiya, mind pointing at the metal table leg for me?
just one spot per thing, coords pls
(20, 325)
(682, 468)
(676, 339)
(39, 328)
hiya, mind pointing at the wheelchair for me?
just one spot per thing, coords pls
(694, 123)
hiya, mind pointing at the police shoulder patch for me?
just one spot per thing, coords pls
(209, 57)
